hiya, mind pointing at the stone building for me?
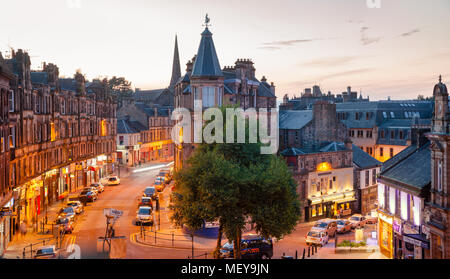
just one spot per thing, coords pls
(206, 81)
(304, 127)
(324, 175)
(61, 136)
(383, 128)
(154, 124)
(365, 173)
(403, 191)
(438, 209)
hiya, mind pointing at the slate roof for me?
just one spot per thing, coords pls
(39, 77)
(362, 159)
(294, 119)
(292, 151)
(381, 112)
(150, 111)
(206, 63)
(150, 95)
(68, 84)
(264, 90)
(413, 170)
(125, 127)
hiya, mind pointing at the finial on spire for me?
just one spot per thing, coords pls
(440, 78)
(207, 20)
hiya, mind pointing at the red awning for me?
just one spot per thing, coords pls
(91, 168)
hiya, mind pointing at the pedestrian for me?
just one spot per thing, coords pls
(23, 229)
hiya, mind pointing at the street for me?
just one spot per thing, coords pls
(92, 224)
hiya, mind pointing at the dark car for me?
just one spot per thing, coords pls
(46, 252)
(252, 247)
(150, 192)
(88, 195)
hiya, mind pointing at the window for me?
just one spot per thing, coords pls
(12, 137)
(382, 134)
(400, 134)
(367, 115)
(384, 114)
(439, 176)
(392, 114)
(391, 152)
(367, 177)
(2, 142)
(11, 101)
(392, 134)
(374, 176)
(208, 96)
(368, 134)
(357, 116)
(381, 151)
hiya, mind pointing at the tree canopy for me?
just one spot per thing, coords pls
(235, 184)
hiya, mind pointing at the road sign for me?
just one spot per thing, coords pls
(113, 213)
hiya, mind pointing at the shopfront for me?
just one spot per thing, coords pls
(6, 227)
(329, 206)
(385, 234)
(63, 183)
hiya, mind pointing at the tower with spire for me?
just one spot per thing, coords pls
(176, 69)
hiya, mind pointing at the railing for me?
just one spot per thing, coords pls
(30, 247)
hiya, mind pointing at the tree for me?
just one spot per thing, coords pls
(235, 184)
(119, 87)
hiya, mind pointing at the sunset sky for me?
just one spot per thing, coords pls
(397, 50)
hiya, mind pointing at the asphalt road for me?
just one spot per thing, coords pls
(92, 224)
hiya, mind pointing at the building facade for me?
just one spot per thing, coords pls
(62, 135)
(324, 175)
(438, 209)
(205, 81)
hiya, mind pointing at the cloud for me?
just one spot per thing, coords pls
(329, 61)
(417, 30)
(279, 44)
(365, 39)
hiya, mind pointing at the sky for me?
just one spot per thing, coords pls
(382, 48)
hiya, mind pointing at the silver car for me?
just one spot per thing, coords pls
(77, 206)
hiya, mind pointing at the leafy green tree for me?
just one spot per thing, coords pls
(236, 185)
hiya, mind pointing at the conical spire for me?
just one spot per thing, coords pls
(176, 69)
(206, 64)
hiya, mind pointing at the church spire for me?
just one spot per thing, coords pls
(176, 69)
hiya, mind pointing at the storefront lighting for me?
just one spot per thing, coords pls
(325, 166)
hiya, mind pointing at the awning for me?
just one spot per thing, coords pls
(417, 239)
(91, 168)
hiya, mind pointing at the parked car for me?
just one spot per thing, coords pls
(67, 212)
(100, 188)
(166, 174)
(93, 189)
(372, 217)
(343, 226)
(144, 215)
(46, 252)
(252, 247)
(88, 195)
(111, 180)
(357, 220)
(159, 186)
(66, 223)
(76, 205)
(327, 225)
(316, 238)
(146, 201)
(150, 192)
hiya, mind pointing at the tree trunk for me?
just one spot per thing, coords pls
(219, 241)
(237, 244)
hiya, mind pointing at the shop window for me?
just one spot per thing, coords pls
(313, 211)
(319, 209)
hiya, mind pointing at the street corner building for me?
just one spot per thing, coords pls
(205, 80)
(413, 191)
(56, 136)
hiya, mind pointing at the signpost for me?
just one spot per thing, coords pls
(111, 215)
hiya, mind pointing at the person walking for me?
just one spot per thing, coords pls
(23, 229)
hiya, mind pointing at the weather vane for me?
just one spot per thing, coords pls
(207, 20)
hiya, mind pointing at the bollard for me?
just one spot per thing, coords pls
(172, 239)
(309, 251)
(304, 251)
(312, 250)
(296, 256)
